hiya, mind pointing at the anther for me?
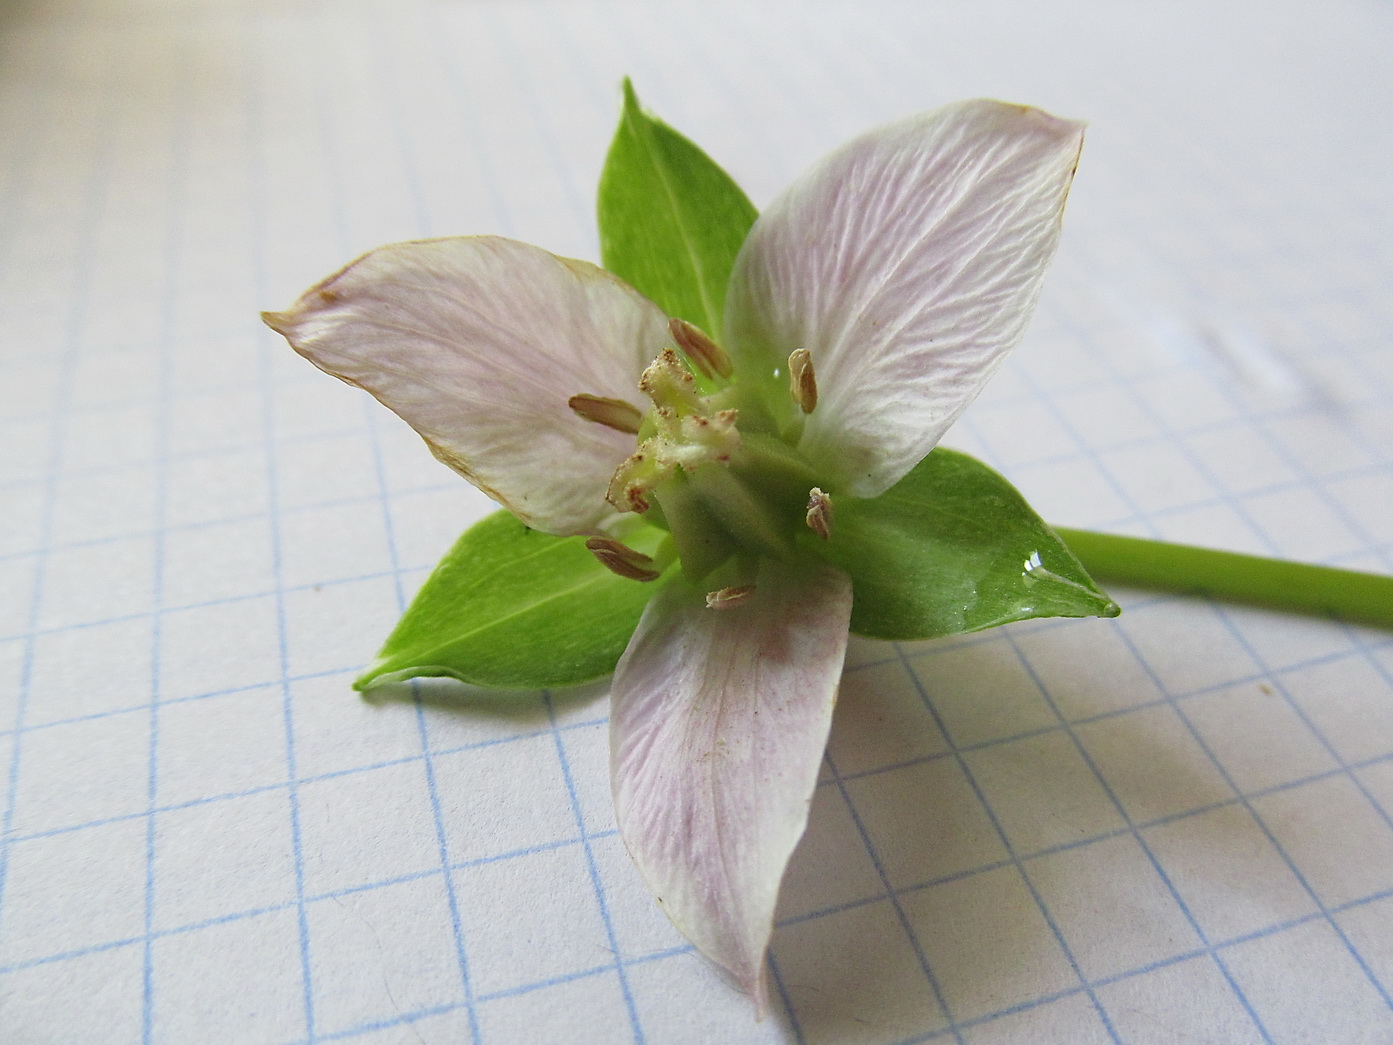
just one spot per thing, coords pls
(612, 413)
(709, 357)
(820, 513)
(802, 385)
(727, 598)
(621, 559)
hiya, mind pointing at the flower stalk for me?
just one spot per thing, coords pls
(1346, 595)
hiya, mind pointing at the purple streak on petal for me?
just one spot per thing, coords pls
(907, 263)
(718, 724)
(479, 343)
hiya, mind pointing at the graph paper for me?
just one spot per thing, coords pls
(1172, 827)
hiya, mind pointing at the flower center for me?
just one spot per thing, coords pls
(721, 493)
(683, 430)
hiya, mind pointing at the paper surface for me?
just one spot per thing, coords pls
(1173, 827)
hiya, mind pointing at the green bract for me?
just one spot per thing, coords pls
(671, 220)
(510, 607)
(951, 548)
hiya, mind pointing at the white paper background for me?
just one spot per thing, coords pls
(1172, 827)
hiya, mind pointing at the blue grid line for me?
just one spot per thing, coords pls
(1121, 491)
(1261, 423)
(1346, 767)
(1134, 830)
(948, 645)
(1010, 848)
(936, 1034)
(667, 953)
(438, 39)
(511, 992)
(597, 886)
(1112, 978)
(1254, 422)
(565, 172)
(176, 173)
(336, 894)
(1101, 716)
(552, 981)
(406, 759)
(1203, 469)
(1262, 824)
(1339, 930)
(1081, 843)
(911, 937)
(304, 779)
(129, 709)
(254, 114)
(1300, 483)
(1127, 709)
(1195, 461)
(785, 999)
(402, 1018)
(94, 204)
(1386, 674)
(226, 600)
(428, 756)
(995, 401)
(140, 464)
(592, 869)
(1104, 981)
(438, 823)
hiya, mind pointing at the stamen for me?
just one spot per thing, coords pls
(612, 413)
(709, 357)
(727, 598)
(802, 385)
(820, 513)
(623, 560)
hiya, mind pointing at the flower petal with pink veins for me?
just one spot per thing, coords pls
(478, 343)
(907, 263)
(718, 722)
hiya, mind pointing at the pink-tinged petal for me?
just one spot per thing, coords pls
(478, 343)
(718, 722)
(907, 263)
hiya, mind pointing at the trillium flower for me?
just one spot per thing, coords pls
(864, 311)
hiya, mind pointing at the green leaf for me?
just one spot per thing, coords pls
(671, 221)
(509, 607)
(946, 550)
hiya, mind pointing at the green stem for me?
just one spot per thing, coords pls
(1364, 598)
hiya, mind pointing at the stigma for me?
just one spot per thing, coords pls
(687, 431)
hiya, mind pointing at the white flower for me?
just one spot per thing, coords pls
(866, 309)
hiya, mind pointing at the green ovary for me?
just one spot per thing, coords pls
(724, 494)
